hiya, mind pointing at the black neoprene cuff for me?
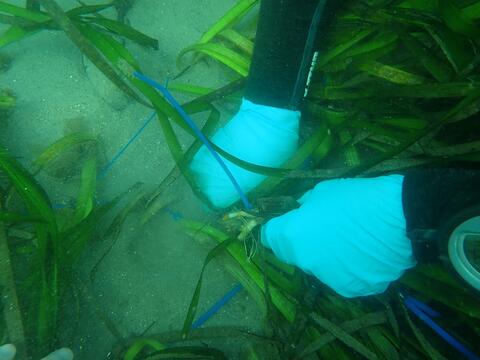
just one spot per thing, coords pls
(282, 33)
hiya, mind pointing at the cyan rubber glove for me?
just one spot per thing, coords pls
(60, 354)
(349, 233)
(259, 134)
(8, 352)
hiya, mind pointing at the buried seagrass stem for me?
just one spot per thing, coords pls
(10, 304)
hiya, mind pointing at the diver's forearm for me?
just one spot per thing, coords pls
(279, 49)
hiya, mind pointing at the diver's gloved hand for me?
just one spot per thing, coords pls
(8, 352)
(349, 233)
(259, 134)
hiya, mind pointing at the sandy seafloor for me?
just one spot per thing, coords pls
(151, 272)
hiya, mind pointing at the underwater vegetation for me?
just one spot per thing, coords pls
(5, 62)
(7, 101)
(7, 98)
(40, 243)
(397, 86)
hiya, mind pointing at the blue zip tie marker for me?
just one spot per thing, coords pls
(216, 307)
(226, 298)
(426, 313)
(188, 120)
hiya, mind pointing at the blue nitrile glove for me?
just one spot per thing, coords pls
(349, 233)
(259, 134)
(8, 352)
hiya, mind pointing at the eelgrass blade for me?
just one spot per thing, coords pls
(348, 327)
(63, 144)
(13, 34)
(456, 48)
(381, 40)
(187, 352)
(472, 11)
(16, 21)
(238, 40)
(404, 123)
(352, 157)
(205, 45)
(333, 53)
(343, 336)
(87, 48)
(459, 300)
(113, 230)
(371, 90)
(234, 268)
(156, 201)
(228, 57)
(189, 89)
(38, 205)
(229, 19)
(174, 337)
(377, 338)
(454, 150)
(32, 15)
(218, 94)
(465, 112)
(457, 20)
(32, 193)
(438, 69)
(439, 273)
(11, 315)
(139, 196)
(124, 30)
(140, 345)
(427, 347)
(293, 163)
(192, 309)
(89, 9)
(7, 100)
(75, 238)
(113, 50)
(126, 63)
(391, 73)
(13, 217)
(283, 282)
(120, 56)
(284, 304)
(86, 194)
(29, 21)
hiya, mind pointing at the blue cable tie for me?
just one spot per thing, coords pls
(207, 315)
(417, 307)
(103, 172)
(422, 306)
(216, 307)
(197, 131)
(176, 215)
(120, 152)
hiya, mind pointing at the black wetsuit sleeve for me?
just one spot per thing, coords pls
(282, 33)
